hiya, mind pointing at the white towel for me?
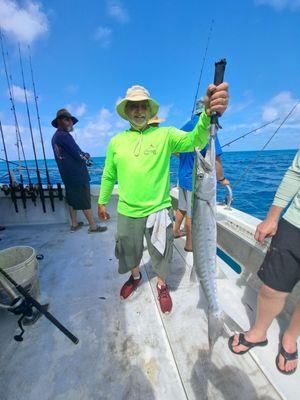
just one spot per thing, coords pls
(159, 220)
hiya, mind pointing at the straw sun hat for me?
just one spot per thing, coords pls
(137, 93)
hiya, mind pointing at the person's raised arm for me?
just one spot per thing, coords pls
(216, 100)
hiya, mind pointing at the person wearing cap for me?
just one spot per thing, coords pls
(185, 180)
(155, 121)
(139, 159)
(71, 162)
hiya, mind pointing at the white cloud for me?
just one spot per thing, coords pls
(25, 23)
(116, 10)
(103, 125)
(164, 111)
(76, 110)
(103, 36)
(18, 94)
(279, 106)
(241, 105)
(280, 4)
(71, 88)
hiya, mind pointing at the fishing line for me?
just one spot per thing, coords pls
(248, 133)
(202, 66)
(243, 175)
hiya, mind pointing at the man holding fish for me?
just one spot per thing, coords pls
(139, 159)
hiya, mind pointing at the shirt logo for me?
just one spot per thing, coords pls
(150, 150)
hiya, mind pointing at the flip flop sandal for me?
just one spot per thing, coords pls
(287, 357)
(98, 229)
(75, 228)
(244, 342)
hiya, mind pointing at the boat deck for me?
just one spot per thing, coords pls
(127, 349)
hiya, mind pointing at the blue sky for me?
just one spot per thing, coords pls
(86, 54)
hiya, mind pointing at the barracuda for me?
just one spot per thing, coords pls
(204, 233)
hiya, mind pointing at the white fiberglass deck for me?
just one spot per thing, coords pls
(127, 349)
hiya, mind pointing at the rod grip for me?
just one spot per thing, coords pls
(219, 71)
(218, 79)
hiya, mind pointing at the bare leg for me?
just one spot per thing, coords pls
(270, 303)
(135, 272)
(178, 221)
(289, 340)
(188, 231)
(73, 216)
(89, 216)
(160, 281)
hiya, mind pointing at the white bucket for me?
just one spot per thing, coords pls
(21, 264)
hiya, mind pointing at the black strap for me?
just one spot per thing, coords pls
(245, 342)
(288, 356)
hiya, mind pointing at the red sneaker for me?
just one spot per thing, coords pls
(130, 286)
(164, 299)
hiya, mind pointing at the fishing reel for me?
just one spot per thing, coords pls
(23, 307)
(5, 189)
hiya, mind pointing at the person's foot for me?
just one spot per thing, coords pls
(188, 245)
(74, 228)
(97, 229)
(288, 345)
(164, 298)
(188, 250)
(251, 337)
(130, 286)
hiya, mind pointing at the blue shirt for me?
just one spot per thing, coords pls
(186, 160)
(68, 156)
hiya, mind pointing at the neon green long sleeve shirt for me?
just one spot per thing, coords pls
(289, 192)
(140, 162)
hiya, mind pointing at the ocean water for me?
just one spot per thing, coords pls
(253, 194)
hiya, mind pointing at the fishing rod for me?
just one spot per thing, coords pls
(11, 97)
(202, 66)
(40, 185)
(18, 134)
(265, 145)
(248, 133)
(24, 307)
(11, 184)
(50, 188)
(218, 79)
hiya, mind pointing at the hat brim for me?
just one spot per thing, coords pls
(121, 106)
(157, 121)
(54, 122)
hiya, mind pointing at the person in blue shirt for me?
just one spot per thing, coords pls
(71, 162)
(185, 178)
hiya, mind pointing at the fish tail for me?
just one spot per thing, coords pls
(215, 328)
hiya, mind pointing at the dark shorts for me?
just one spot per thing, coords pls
(79, 196)
(280, 269)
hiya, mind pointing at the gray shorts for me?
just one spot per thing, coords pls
(130, 245)
(185, 201)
